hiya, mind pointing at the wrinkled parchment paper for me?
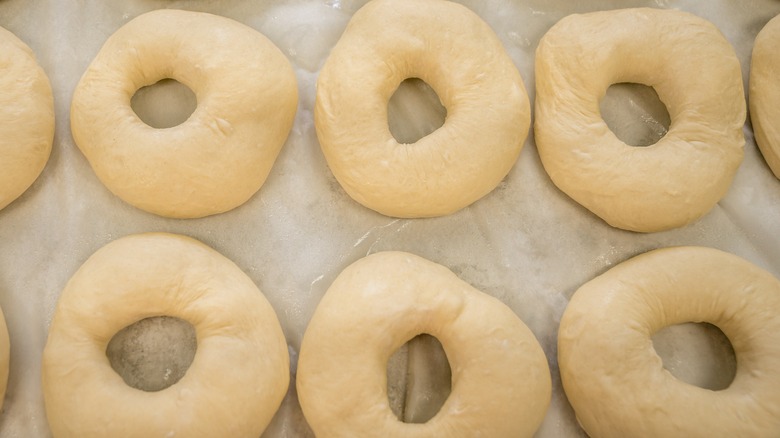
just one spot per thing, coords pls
(525, 243)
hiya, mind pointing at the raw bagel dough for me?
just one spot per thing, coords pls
(458, 55)
(26, 118)
(500, 378)
(236, 381)
(616, 381)
(765, 93)
(217, 159)
(681, 177)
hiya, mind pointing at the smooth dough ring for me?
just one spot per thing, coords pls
(616, 381)
(26, 118)
(219, 157)
(674, 181)
(459, 56)
(500, 378)
(765, 93)
(237, 379)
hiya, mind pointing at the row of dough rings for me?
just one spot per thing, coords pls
(765, 93)
(666, 185)
(619, 194)
(617, 383)
(394, 192)
(236, 381)
(497, 363)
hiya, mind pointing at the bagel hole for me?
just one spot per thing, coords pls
(419, 379)
(153, 353)
(698, 354)
(414, 111)
(635, 114)
(165, 104)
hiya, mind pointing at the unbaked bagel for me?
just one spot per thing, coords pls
(237, 379)
(219, 157)
(616, 381)
(26, 118)
(674, 181)
(458, 55)
(765, 93)
(500, 378)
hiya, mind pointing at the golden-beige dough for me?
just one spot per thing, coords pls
(500, 378)
(219, 157)
(616, 381)
(458, 55)
(765, 93)
(674, 181)
(237, 379)
(26, 118)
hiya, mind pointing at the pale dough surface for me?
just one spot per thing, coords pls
(459, 56)
(500, 378)
(616, 381)
(765, 93)
(218, 158)
(26, 118)
(665, 185)
(236, 381)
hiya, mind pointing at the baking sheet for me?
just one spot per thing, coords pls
(525, 243)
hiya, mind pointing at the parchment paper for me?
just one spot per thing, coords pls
(526, 243)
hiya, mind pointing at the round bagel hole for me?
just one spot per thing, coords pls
(153, 353)
(698, 354)
(164, 104)
(635, 114)
(414, 111)
(419, 379)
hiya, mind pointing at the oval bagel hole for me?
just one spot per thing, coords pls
(635, 114)
(419, 379)
(164, 104)
(153, 353)
(698, 354)
(414, 111)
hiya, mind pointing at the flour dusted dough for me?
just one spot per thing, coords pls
(765, 93)
(458, 55)
(500, 379)
(218, 158)
(616, 381)
(236, 381)
(26, 118)
(697, 76)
